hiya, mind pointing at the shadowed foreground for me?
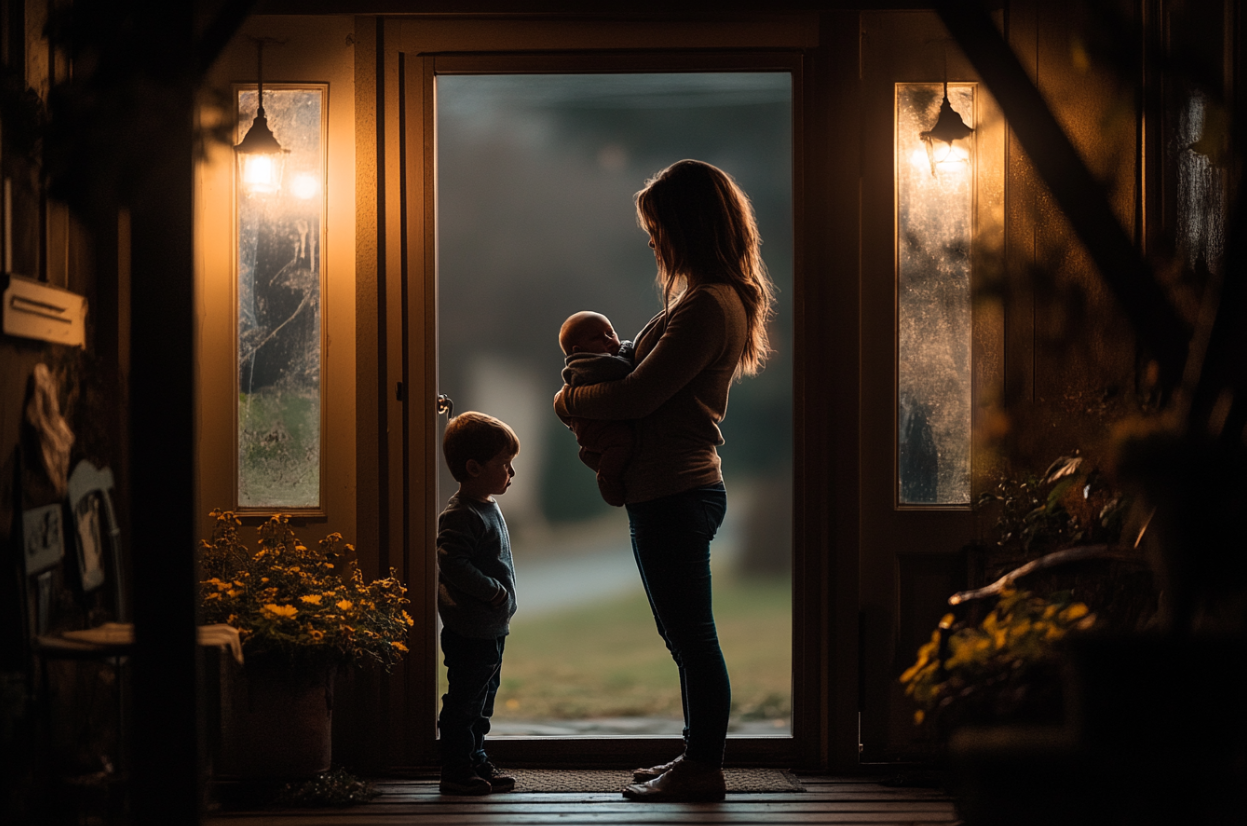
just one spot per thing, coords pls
(825, 800)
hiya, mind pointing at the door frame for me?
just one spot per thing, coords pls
(405, 56)
(912, 554)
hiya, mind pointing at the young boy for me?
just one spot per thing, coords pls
(595, 354)
(475, 597)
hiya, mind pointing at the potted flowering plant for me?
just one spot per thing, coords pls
(1001, 668)
(300, 612)
(297, 603)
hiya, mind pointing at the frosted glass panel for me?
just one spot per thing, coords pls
(279, 310)
(1201, 189)
(934, 228)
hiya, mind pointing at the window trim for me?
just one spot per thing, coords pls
(320, 510)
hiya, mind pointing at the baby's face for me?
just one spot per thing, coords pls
(597, 337)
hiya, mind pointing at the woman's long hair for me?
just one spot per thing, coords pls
(704, 232)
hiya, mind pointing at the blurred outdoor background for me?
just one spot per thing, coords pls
(536, 175)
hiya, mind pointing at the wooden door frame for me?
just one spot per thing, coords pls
(514, 750)
(904, 543)
(396, 59)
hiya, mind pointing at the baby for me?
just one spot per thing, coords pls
(595, 354)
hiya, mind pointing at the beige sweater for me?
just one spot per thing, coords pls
(686, 358)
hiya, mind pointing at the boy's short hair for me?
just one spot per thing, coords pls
(479, 436)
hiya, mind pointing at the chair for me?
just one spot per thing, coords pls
(75, 542)
(87, 523)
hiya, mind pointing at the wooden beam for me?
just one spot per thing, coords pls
(167, 771)
(1077, 192)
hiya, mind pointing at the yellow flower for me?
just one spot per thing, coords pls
(345, 605)
(924, 657)
(1075, 611)
(919, 716)
(311, 599)
(966, 651)
(281, 610)
(399, 646)
(213, 595)
(315, 634)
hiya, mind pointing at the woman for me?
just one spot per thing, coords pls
(717, 299)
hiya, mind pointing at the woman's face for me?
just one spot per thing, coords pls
(654, 247)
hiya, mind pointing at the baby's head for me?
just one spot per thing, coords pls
(587, 332)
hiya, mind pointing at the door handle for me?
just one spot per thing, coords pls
(445, 405)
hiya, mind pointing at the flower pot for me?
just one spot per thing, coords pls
(276, 721)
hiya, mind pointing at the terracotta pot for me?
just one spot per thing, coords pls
(276, 721)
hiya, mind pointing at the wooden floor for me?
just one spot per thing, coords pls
(825, 800)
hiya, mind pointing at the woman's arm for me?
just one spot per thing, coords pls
(695, 337)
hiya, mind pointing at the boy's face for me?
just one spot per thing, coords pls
(493, 477)
(598, 336)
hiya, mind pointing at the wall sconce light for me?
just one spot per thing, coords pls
(949, 127)
(260, 156)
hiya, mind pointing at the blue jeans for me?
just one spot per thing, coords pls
(671, 542)
(473, 673)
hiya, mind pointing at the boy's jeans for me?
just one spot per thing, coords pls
(671, 542)
(473, 672)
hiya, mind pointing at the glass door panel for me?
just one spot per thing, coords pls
(535, 178)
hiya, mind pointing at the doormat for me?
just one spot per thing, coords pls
(614, 780)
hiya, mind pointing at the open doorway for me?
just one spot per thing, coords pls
(535, 176)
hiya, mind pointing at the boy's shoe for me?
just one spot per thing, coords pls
(498, 781)
(687, 782)
(465, 782)
(641, 775)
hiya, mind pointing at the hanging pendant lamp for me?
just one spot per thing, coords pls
(948, 127)
(260, 157)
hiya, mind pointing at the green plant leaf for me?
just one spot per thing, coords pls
(1062, 467)
(1058, 492)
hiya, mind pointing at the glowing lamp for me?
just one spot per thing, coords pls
(305, 186)
(949, 128)
(260, 156)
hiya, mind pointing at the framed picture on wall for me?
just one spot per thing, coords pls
(95, 524)
(43, 535)
(90, 540)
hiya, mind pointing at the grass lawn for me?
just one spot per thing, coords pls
(607, 660)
